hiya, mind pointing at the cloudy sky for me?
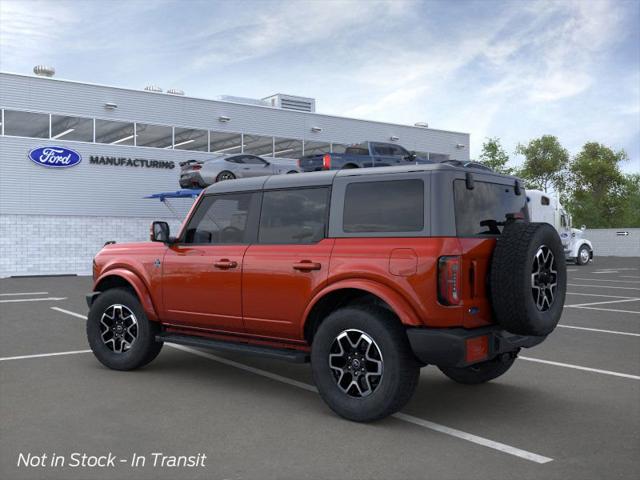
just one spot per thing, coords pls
(514, 69)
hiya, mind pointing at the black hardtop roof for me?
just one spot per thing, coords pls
(315, 179)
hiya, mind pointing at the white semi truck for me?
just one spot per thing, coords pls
(545, 208)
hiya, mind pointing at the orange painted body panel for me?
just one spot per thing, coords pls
(201, 286)
(278, 282)
(263, 293)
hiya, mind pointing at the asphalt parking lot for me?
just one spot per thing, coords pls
(569, 408)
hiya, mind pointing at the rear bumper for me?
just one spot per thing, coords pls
(447, 347)
(191, 179)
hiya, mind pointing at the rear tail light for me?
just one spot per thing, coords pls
(326, 162)
(449, 280)
(299, 162)
(196, 167)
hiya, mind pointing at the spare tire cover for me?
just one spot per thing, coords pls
(528, 279)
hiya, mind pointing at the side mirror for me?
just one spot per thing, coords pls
(159, 232)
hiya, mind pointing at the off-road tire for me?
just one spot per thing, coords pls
(145, 347)
(480, 372)
(512, 265)
(579, 260)
(400, 369)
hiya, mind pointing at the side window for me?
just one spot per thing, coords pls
(544, 200)
(398, 151)
(381, 149)
(253, 160)
(223, 219)
(384, 206)
(294, 216)
(238, 159)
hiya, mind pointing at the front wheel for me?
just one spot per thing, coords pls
(119, 333)
(583, 255)
(480, 372)
(362, 363)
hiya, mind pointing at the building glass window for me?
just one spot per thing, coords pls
(293, 216)
(157, 136)
(287, 148)
(114, 133)
(191, 139)
(225, 143)
(72, 128)
(316, 148)
(26, 124)
(258, 145)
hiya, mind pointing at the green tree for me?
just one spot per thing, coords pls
(495, 157)
(599, 193)
(631, 205)
(545, 163)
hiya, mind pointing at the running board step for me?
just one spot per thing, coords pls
(286, 354)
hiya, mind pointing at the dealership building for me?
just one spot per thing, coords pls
(57, 208)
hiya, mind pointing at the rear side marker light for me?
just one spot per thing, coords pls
(476, 349)
(449, 280)
(326, 162)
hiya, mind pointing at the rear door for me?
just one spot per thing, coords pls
(201, 280)
(289, 263)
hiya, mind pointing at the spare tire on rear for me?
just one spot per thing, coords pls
(528, 278)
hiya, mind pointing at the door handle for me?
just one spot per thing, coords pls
(306, 266)
(225, 264)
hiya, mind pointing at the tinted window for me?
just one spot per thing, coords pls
(544, 200)
(356, 151)
(294, 216)
(391, 206)
(221, 219)
(253, 160)
(191, 139)
(487, 203)
(398, 151)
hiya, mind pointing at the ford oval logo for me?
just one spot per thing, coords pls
(55, 157)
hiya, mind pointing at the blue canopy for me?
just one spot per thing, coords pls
(184, 193)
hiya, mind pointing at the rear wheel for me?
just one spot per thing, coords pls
(583, 255)
(119, 333)
(225, 175)
(480, 372)
(362, 363)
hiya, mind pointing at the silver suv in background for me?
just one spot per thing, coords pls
(202, 173)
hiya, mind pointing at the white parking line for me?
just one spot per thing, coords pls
(74, 314)
(629, 276)
(600, 330)
(632, 299)
(606, 280)
(39, 355)
(23, 293)
(579, 367)
(533, 457)
(602, 286)
(596, 295)
(47, 299)
(610, 310)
